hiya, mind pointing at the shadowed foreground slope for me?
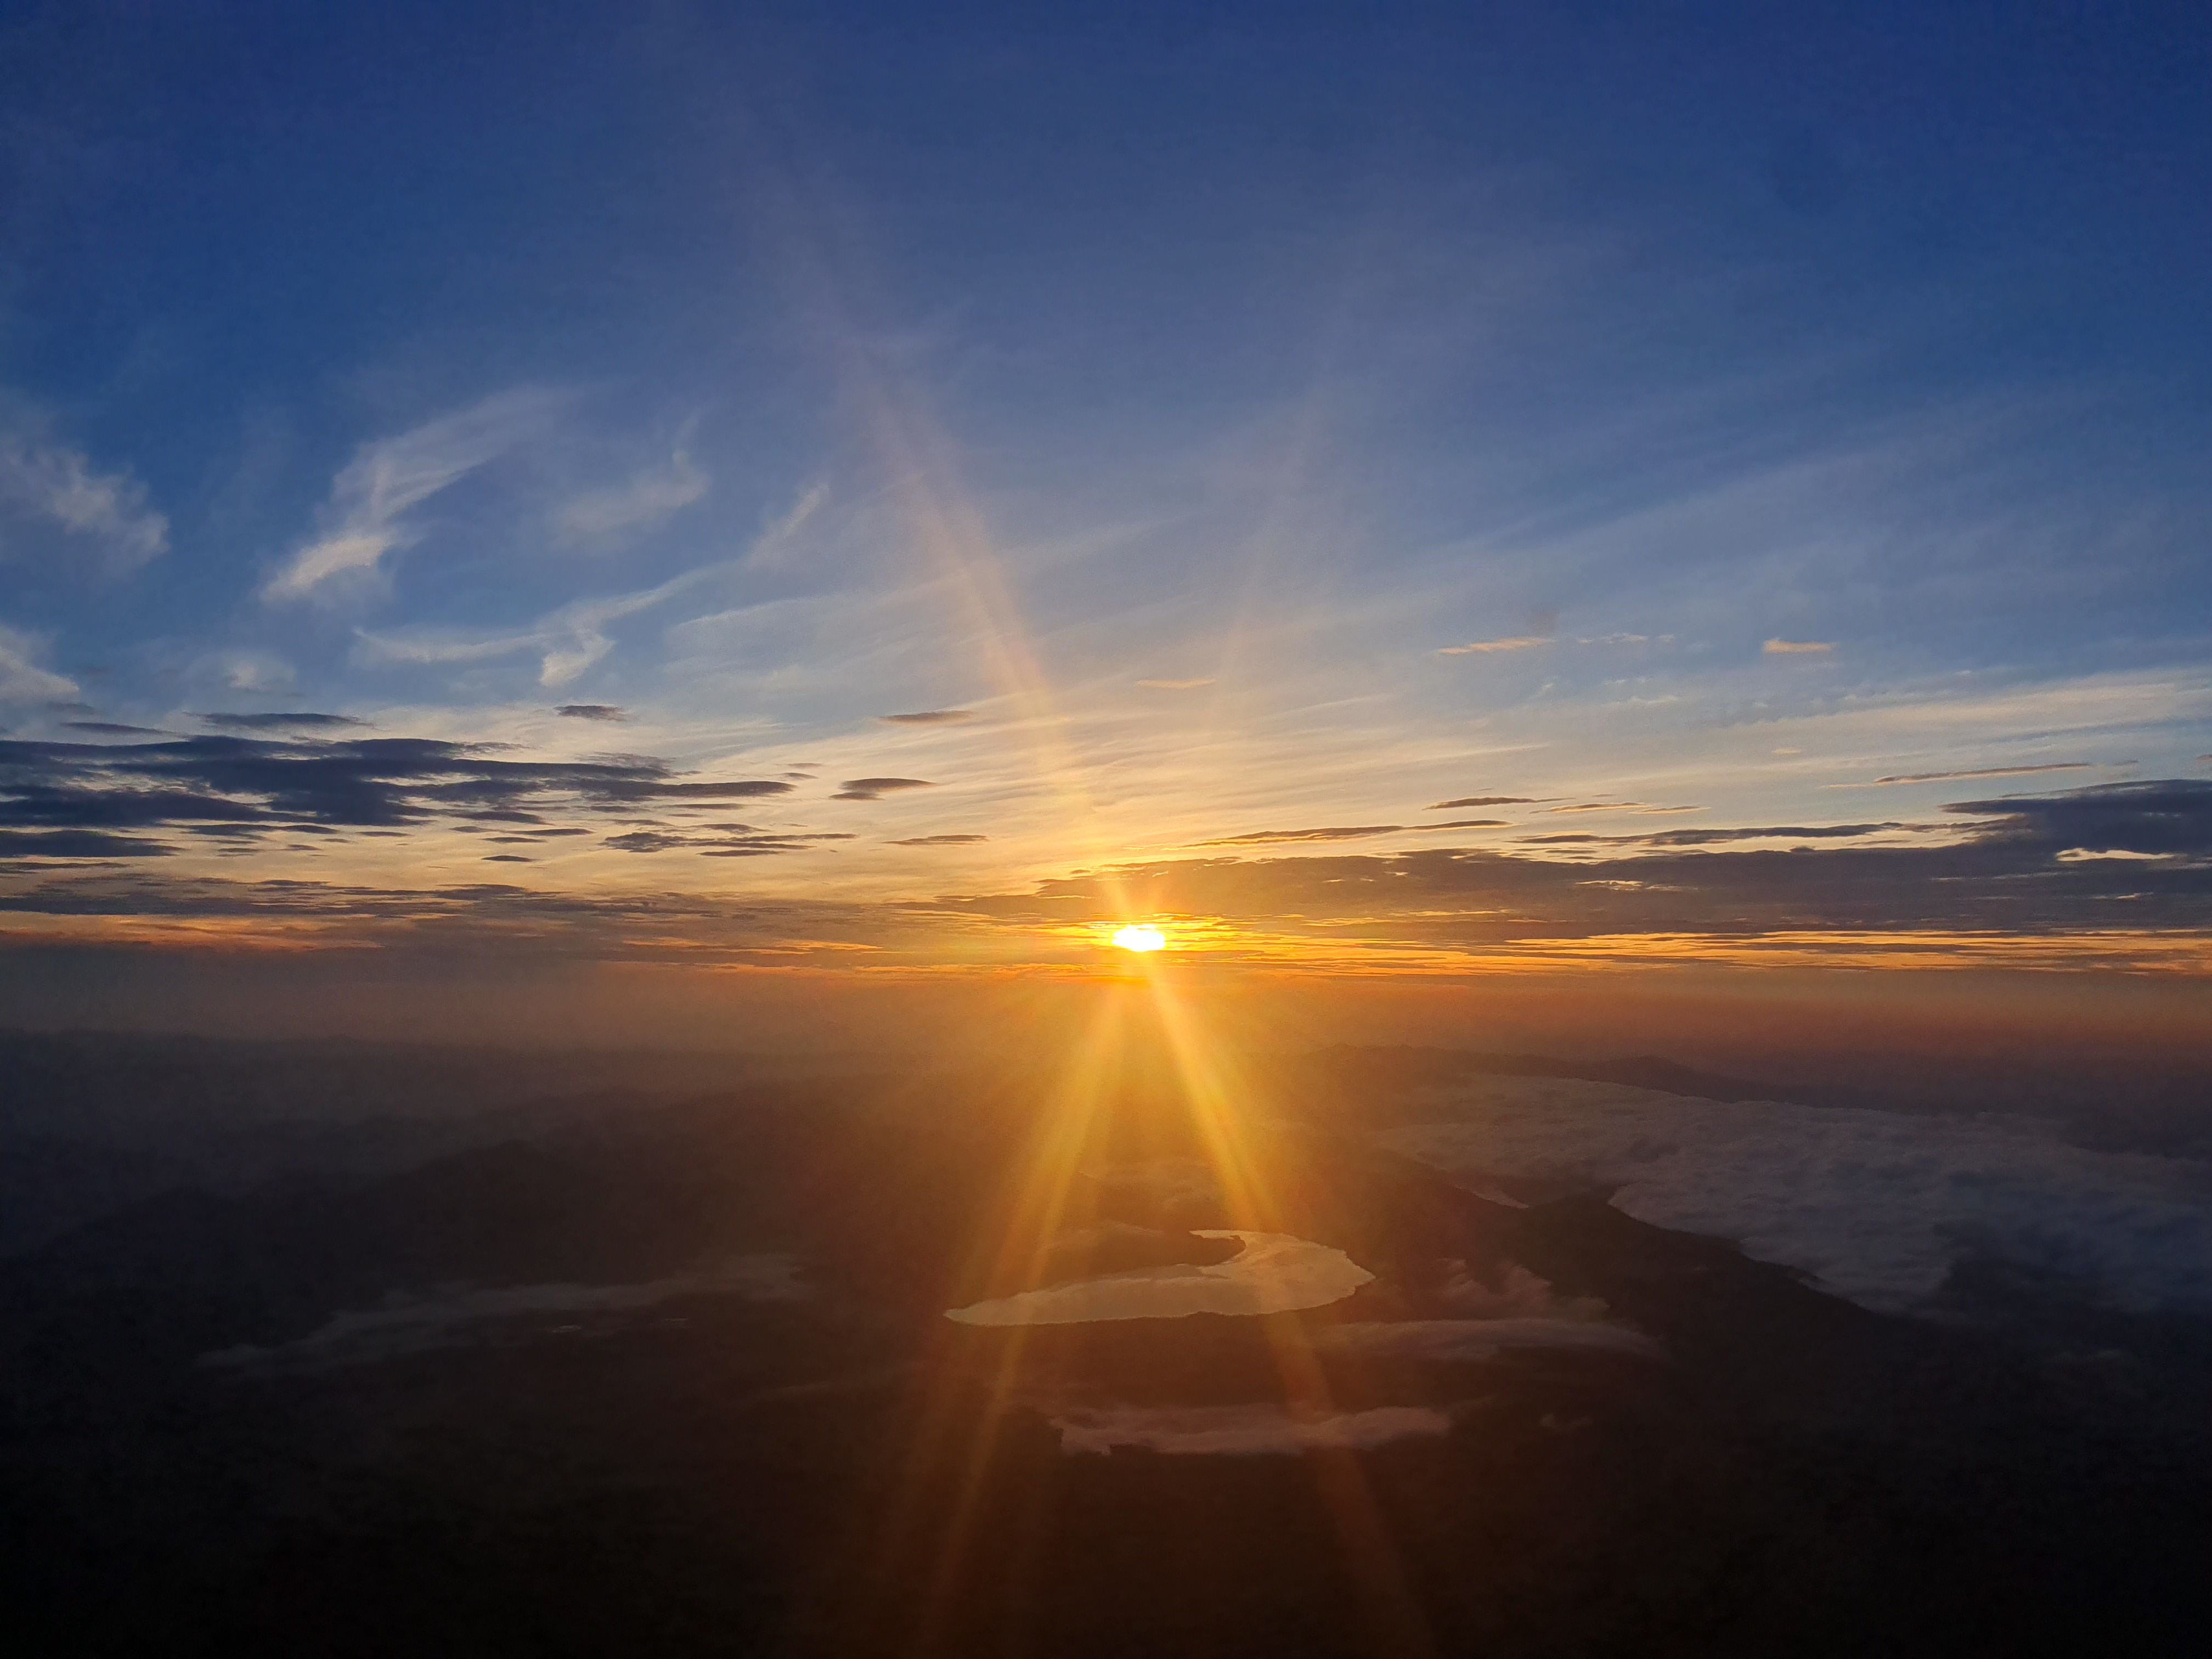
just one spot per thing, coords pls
(718, 1466)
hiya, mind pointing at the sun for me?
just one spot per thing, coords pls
(1141, 938)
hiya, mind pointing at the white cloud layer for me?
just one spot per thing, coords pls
(1878, 1205)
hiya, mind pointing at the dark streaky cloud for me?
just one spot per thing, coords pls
(755, 844)
(876, 788)
(930, 717)
(1986, 772)
(2008, 875)
(1342, 832)
(1482, 800)
(592, 711)
(282, 722)
(1792, 832)
(1715, 837)
(76, 844)
(2153, 816)
(263, 785)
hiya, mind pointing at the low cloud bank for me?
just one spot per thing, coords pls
(2005, 880)
(1519, 1295)
(1273, 1273)
(1240, 1431)
(1483, 1338)
(1878, 1206)
(413, 1324)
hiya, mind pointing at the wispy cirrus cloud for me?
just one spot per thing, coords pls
(778, 534)
(106, 511)
(1485, 647)
(1644, 807)
(21, 678)
(1530, 641)
(930, 717)
(1341, 832)
(302, 720)
(362, 520)
(1174, 685)
(570, 640)
(646, 498)
(1987, 772)
(876, 788)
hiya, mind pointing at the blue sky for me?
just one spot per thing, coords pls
(1256, 425)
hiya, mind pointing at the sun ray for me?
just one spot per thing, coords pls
(1010, 1248)
(1221, 1110)
(1014, 1237)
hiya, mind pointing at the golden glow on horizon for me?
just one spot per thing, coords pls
(964, 1407)
(1386, 948)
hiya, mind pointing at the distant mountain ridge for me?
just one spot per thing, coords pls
(1652, 1072)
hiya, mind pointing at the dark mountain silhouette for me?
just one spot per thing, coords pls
(704, 1469)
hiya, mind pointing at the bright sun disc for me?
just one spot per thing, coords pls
(1141, 938)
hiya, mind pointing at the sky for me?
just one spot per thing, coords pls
(748, 505)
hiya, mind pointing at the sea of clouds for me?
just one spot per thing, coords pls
(1878, 1206)
(1273, 1273)
(406, 1324)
